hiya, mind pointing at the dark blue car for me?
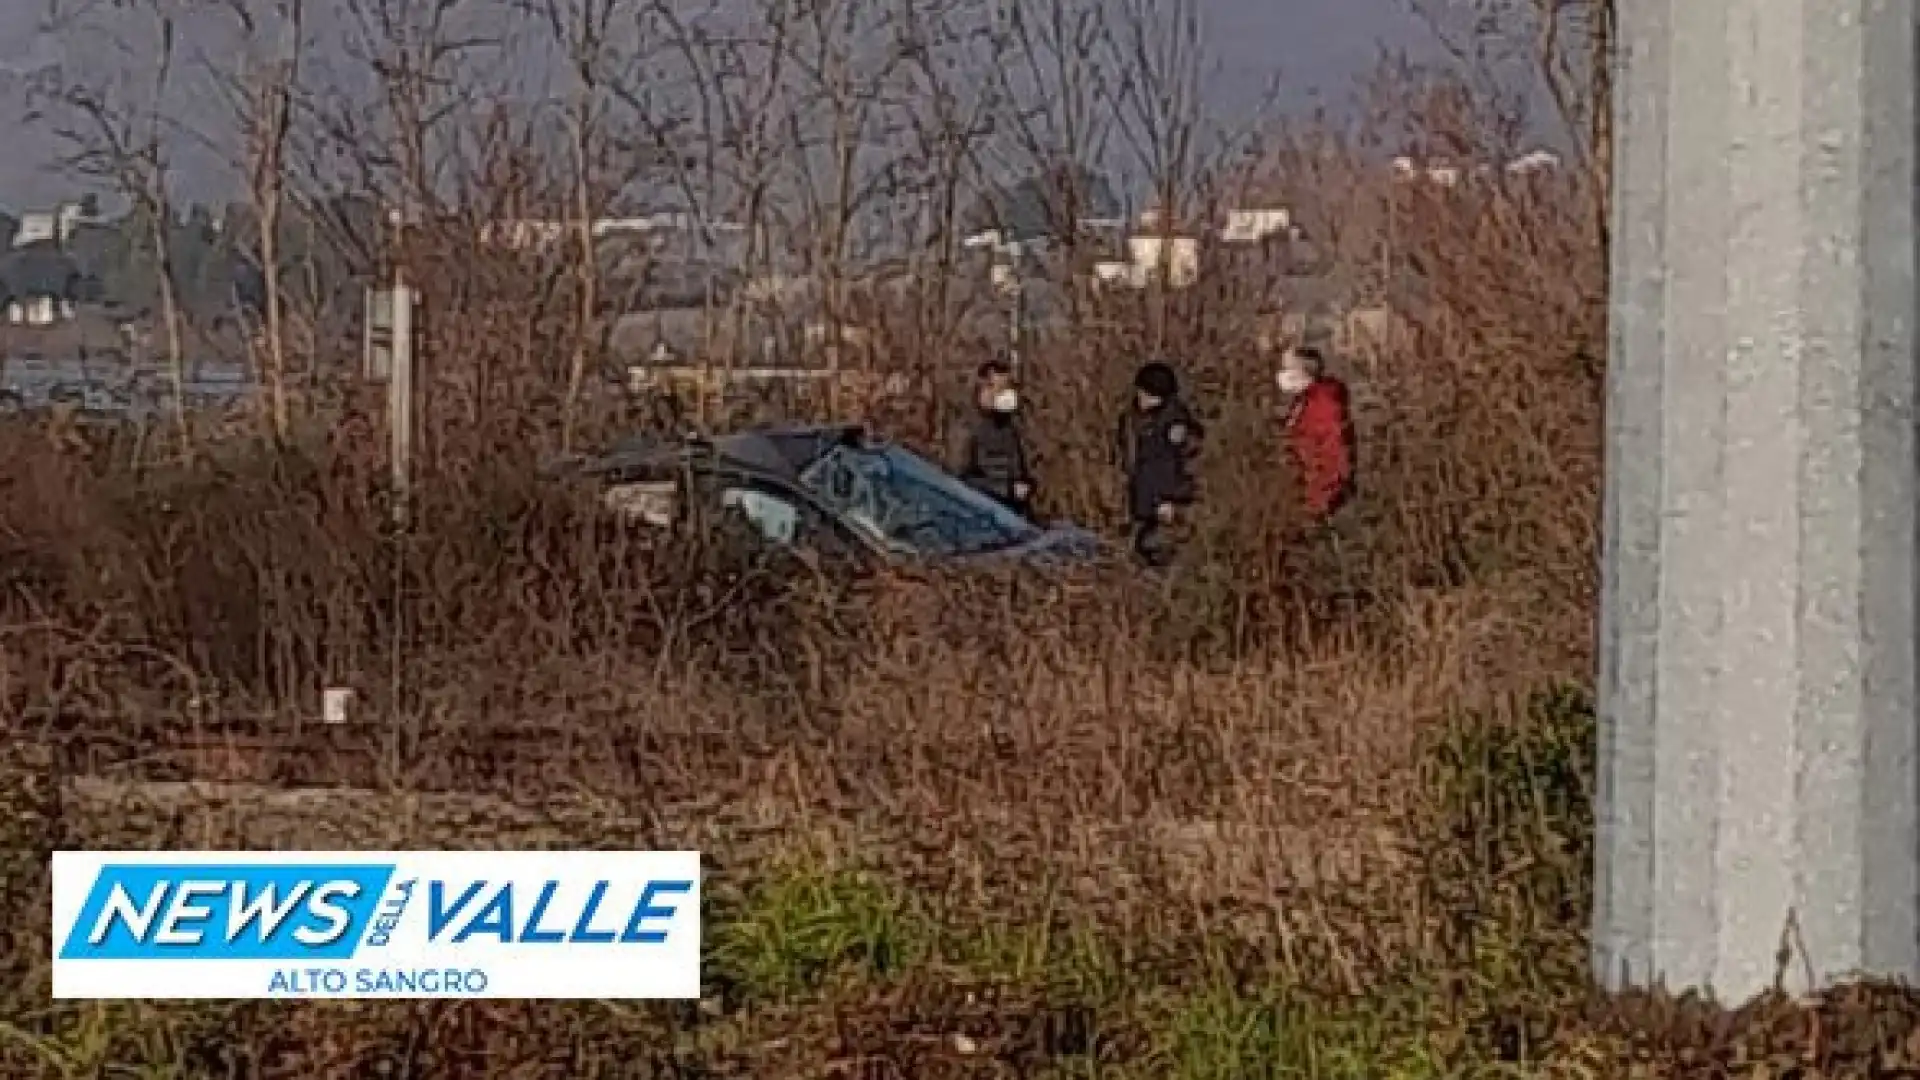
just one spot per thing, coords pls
(831, 490)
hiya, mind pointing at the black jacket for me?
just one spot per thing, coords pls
(994, 457)
(1156, 450)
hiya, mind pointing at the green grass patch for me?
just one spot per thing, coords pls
(803, 925)
(1509, 869)
(1224, 1033)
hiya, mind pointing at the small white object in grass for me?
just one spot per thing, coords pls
(334, 703)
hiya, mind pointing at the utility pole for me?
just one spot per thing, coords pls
(400, 397)
(389, 358)
(1017, 325)
(1758, 801)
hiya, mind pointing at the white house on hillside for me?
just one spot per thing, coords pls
(1538, 161)
(1253, 226)
(54, 226)
(1174, 258)
(1448, 175)
(38, 311)
(536, 233)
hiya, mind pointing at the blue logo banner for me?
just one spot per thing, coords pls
(420, 924)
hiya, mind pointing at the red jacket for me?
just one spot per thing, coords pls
(1320, 432)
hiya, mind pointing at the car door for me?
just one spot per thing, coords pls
(788, 519)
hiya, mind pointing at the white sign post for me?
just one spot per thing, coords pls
(389, 359)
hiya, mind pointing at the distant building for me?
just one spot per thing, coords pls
(1537, 161)
(1154, 251)
(1149, 251)
(985, 240)
(541, 232)
(55, 226)
(39, 311)
(1013, 246)
(1445, 174)
(39, 285)
(1253, 226)
(1174, 259)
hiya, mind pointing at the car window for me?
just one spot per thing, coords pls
(786, 519)
(912, 505)
(776, 519)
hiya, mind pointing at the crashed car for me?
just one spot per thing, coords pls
(830, 490)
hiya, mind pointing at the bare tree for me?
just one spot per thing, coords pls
(1056, 121)
(583, 29)
(740, 81)
(424, 60)
(1189, 157)
(418, 54)
(263, 92)
(1158, 55)
(793, 113)
(850, 58)
(952, 117)
(1566, 45)
(120, 135)
(1307, 168)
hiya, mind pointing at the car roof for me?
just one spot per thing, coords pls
(780, 450)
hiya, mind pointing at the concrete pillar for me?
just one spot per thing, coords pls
(1758, 781)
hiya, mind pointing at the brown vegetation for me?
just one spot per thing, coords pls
(1314, 807)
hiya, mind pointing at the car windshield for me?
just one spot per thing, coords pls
(912, 505)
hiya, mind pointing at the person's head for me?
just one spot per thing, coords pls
(1299, 367)
(994, 387)
(1154, 385)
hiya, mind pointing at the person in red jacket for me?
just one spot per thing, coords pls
(1319, 429)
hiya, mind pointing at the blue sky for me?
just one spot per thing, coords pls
(1309, 46)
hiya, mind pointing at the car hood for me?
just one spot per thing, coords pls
(1058, 544)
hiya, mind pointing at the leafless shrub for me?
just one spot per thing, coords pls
(1236, 748)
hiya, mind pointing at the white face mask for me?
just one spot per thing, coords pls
(1006, 401)
(1293, 381)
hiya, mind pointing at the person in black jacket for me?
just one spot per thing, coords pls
(1157, 440)
(993, 459)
